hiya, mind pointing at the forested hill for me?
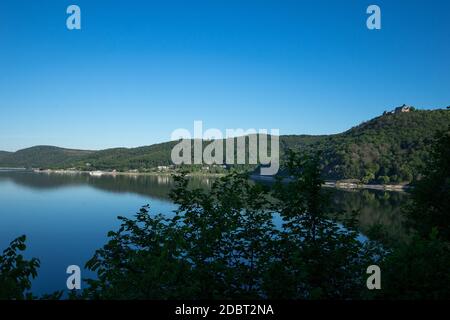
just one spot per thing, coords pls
(389, 148)
(3, 154)
(41, 157)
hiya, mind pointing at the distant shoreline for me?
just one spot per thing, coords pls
(345, 185)
(99, 173)
(383, 187)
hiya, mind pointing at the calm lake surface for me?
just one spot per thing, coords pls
(66, 217)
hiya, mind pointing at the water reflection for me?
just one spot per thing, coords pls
(154, 186)
(373, 206)
(67, 216)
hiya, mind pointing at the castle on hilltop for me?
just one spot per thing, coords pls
(401, 109)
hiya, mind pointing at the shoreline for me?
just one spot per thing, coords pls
(382, 187)
(343, 185)
(99, 173)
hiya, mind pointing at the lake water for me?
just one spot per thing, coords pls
(67, 217)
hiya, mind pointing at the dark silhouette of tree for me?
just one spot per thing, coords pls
(431, 196)
(318, 257)
(222, 244)
(16, 272)
(418, 269)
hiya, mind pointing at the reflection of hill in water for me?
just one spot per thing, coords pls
(373, 207)
(146, 185)
(42, 181)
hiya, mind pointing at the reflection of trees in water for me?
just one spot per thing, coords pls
(152, 186)
(373, 207)
(147, 185)
(43, 180)
(164, 180)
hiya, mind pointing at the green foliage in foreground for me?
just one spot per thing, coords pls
(431, 196)
(418, 269)
(16, 272)
(223, 244)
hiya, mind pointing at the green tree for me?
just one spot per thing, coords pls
(383, 179)
(215, 246)
(418, 269)
(16, 272)
(430, 207)
(318, 258)
(222, 244)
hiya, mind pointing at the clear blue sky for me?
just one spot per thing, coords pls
(140, 69)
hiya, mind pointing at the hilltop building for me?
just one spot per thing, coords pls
(403, 108)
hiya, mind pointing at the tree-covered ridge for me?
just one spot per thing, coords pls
(41, 156)
(391, 148)
(123, 159)
(3, 154)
